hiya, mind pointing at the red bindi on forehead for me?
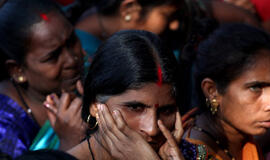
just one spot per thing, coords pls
(159, 73)
(44, 17)
(156, 105)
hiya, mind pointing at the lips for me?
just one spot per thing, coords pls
(265, 124)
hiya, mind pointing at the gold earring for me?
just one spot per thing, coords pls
(88, 122)
(214, 106)
(21, 79)
(127, 17)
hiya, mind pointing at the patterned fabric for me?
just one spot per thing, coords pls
(204, 152)
(17, 129)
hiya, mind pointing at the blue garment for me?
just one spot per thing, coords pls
(90, 44)
(17, 128)
(46, 138)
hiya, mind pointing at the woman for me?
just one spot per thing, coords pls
(40, 54)
(130, 102)
(109, 16)
(232, 80)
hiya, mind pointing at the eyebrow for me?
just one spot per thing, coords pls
(254, 83)
(136, 103)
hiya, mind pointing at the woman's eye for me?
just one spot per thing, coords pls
(167, 110)
(135, 108)
(256, 88)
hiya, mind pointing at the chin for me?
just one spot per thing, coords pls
(259, 131)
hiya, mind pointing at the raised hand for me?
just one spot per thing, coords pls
(64, 114)
(122, 142)
(170, 149)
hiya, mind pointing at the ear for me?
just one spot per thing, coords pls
(15, 71)
(174, 25)
(93, 109)
(209, 88)
(129, 10)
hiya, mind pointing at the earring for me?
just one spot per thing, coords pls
(88, 122)
(21, 79)
(214, 106)
(127, 17)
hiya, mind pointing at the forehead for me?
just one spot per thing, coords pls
(50, 33)
(259, 69)
(149, 94)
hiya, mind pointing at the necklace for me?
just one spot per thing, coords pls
(89, 147)
(28, 109)
(216, 141)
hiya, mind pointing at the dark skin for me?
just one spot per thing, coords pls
(244, 108)
(51, 64)
(121, 137)
(155, 20)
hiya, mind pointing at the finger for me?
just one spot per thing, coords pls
(53, 97)
(51, 115)
(178, 131)
(49, 100)
(75, 106)
(64, 102)
(189, 114)
(110, 122)
(52, 108)
(79, 87)
(170, 139)
(120, 122)
(106, 133)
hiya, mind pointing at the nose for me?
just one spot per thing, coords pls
(149, 125)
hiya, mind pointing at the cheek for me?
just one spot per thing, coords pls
(168, 121)
(133, 120)
(156, 25)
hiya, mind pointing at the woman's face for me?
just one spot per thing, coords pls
(142, 108)
(54, 59)
(245, 105)
(158, 19)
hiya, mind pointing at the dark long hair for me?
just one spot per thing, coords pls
(226, 54)
(16, 20)
(128, 60)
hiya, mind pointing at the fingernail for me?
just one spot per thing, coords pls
(47, 105)
(116, 112)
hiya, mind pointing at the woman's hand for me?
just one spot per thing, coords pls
(64, 114)
(122, 142)
(170, 149)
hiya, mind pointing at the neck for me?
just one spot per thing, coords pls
(33, 99)
(82, 150)
(108, 25)
(235, 138)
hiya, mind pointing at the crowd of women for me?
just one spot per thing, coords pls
(134, 79)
